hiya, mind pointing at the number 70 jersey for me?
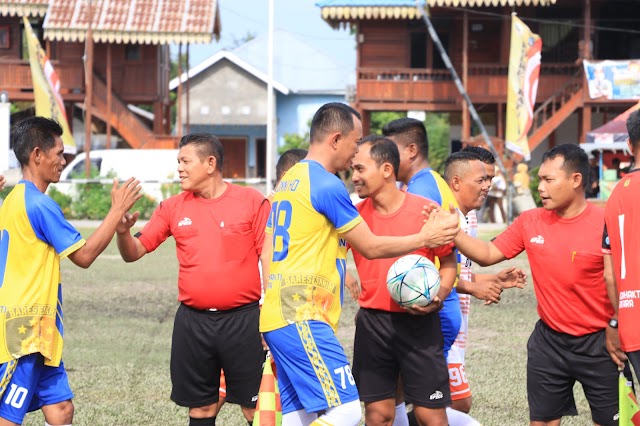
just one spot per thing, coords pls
(310, 210)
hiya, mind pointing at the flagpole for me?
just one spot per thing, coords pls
(88, 99)
(472, 110)
(270, 104)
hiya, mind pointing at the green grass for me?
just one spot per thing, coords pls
(118, 323)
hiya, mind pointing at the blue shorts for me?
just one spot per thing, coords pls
(26, 384)
(313, 371)
(450, 319)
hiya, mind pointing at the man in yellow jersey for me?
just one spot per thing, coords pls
(311, 221)
(34, 236)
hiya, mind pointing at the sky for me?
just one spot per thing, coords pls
(300, 17)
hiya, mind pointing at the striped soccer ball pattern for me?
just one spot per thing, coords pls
(413, 280)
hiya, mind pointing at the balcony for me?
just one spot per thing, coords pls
(434, 90)
(15, 78)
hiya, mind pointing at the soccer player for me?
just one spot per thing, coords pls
(390, 340)
(34, 237)
(466, 175)
(563, 243)
(410, 136)
(219, 231)
(620, 245)
(311, 221)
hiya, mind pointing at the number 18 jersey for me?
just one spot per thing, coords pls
(310, 210)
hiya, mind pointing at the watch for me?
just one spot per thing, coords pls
(613, 323)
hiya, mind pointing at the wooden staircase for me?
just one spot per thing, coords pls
(555, 110)
(126, 123)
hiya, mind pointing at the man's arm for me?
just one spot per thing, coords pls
(481, 252)
(612, 339)
(122, 199)
(130, 247)
(439, 229)
(265, 258)
(487, 290)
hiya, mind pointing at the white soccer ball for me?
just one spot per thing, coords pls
(413, 280)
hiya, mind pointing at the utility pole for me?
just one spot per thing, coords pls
(88, 98)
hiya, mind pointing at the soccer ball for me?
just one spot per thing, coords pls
(413, 280)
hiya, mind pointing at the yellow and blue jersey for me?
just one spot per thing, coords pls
(34, 236)
(429, 184)
(310, 210)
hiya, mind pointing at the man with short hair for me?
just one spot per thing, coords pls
(34, 237)
(219, 232)
(622, 271)
(311, 222)
(466, 175)
(391, 341)
(563, 243)
(410, 136)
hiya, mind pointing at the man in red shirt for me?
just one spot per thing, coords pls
(563, 244)
(391, 340)
(219, 231)
(622, 248)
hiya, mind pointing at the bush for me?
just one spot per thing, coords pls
(146, 206)
(533, 185)
(63, 200)
(92, 201)
(170, 189)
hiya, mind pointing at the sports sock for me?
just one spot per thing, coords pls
(298, 418)
(401, 418)
(458, 418)
(348, 414)
(206, 421)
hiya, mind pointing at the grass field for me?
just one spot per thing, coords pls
(118, 322)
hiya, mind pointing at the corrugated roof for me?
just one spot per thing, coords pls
(23, 7)
(346, 10)
(133, 21)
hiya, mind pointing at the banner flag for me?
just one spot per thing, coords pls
(524, 71)
(629, 411)
(46, 88)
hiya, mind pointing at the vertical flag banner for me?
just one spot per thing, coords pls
(46, 88)
(269, 407)
(629, 411)
(524, 71)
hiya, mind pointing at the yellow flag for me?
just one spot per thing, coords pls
(524, 70)
(629, 411)
(46, 88)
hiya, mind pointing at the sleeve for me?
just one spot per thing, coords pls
(260, 219)
(444, 250)
(510, 242)
(50, 226)
(606, 243)
(158, 229)
(426, 187)
(331, 199)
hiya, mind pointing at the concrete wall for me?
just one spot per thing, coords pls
(296, 111)
(225, 93)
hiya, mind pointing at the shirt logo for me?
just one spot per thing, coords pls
(436, 395)
(185, 222)
(537, 240)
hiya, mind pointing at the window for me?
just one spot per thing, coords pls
(132, 52)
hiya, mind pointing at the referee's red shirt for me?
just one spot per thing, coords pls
(218, 244)
(566, 265)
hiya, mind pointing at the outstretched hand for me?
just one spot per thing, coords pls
(127, 221)
(440, 227)
(511, 277)
(124, 196)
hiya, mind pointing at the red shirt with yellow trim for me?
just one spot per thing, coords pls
(566, 265)
(218, 243)
(407, 220)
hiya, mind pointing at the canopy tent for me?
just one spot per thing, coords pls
(612, 131)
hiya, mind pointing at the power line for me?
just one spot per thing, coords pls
(545, 21)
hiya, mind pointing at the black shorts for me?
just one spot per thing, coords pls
(634, 359)
(556, 361)
(392, 344)
(203, 343)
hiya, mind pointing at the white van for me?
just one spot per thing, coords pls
(152, 167)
